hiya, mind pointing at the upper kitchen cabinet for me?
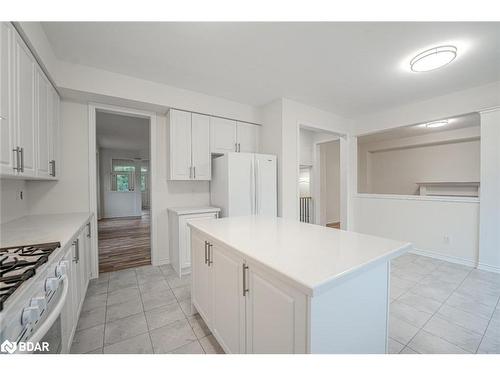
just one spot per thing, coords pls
(248, 137)
(233, 136)
(189, 141)
(29, 110)
(25, 109)
(43, 169)
(7, 121)
(222, 135)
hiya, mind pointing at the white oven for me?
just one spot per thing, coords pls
(31, 322)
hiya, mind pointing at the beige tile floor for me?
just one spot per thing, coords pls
(436, 307)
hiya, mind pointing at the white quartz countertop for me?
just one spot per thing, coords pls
(311, 256)
(35, 229)
(193, 210)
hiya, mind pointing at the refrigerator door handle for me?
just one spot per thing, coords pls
(257, 186)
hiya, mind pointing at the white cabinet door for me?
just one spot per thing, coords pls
(68, 322)
(222, 135)
(275, 315)
(53, 122)
(247, 137)
(7, 121)
(200, 146)
(42, 121)
(228, 324)
(25, 108)
(185, 237)
(180, 145)
(201, 281)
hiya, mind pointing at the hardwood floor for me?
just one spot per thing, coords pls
(334, 225)
(124, 243)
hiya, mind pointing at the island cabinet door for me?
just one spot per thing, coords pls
(201, 279)
(228, 323)
(276, 315)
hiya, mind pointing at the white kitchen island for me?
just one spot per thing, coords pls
(271, 285)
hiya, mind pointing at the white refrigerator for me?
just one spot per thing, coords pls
(244, 184)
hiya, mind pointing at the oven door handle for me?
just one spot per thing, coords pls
(44, 328)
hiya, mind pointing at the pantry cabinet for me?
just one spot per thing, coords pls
(247, 308)
(29, 110)
(233, 136)
(189, 145)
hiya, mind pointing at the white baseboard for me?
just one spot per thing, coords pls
(447, 258)
(456, 260)
(487, 267)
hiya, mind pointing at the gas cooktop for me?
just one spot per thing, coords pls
(19, 263)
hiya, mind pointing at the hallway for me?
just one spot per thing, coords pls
(124, 242)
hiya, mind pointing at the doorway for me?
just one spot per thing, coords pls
(319, 182)
(121, 192)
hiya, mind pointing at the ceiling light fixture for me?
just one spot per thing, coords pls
(436, 124)
(433, 58)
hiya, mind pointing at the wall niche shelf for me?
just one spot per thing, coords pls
(450, 188)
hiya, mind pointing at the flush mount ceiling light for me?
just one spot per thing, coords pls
(436, 124)
(433, 58)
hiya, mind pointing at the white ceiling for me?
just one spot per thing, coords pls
(346, 68)
(454, 123)
(120, 132)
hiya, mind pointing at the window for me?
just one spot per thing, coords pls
(122, 175)
(144, 176)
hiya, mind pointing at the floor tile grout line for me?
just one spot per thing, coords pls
(488, 326)
(144, 313)
(444, 302)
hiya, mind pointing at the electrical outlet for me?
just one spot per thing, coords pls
(446, 239)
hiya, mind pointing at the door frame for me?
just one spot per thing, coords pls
(92, 108)
(315, 175)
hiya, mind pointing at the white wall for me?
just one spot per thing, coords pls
(330, 181)
(306, 147)
(424, 222)
(11, 206)
(115, 203)
(489, 255)
(398, 171)
(451, 105)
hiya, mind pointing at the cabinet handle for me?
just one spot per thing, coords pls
(210, 255)
(245, 288)
(21, 152)
(236, 147)
(194, 172)
(206, 252)
(52, 165)
(239, 147)
(16, 162)
(89, 230)
(76, 243)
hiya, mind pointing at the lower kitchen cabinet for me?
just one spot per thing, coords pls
(273, 306)
(228, 323)
(201, 280)
(247, 309)
(180, 234)
(78, 273)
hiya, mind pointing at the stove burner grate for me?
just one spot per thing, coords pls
(19, 263)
